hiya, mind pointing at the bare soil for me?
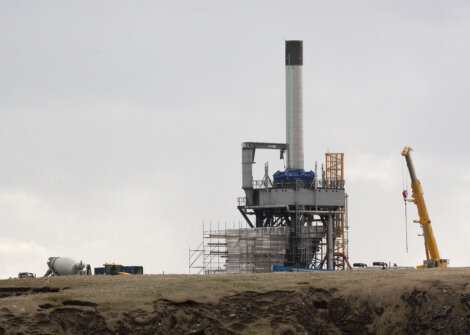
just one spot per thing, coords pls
(434, 301)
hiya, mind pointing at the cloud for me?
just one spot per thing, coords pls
(120, 131)
(21, 256)
(23, 206)
(382, 171)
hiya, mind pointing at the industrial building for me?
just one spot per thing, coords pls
(295, 218)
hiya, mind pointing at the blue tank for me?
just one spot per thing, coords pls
(289, 178)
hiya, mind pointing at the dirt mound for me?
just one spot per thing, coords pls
(77, 321)
(373, 303)
(9, 291)
(433, 313)
(313, 311)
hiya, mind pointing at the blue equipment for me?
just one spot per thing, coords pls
(290, 178)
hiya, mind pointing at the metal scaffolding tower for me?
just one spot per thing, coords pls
(334, 172)
(209, 257)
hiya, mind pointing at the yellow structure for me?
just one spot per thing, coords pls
(433, 260)
(112, 269)
(334, 175)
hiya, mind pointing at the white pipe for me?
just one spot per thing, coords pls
(294, 106)
(330, 242)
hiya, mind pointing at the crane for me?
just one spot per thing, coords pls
(433, 260)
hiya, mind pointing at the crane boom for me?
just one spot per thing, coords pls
(432, 253)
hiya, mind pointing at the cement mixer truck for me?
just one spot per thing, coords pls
(65, 266)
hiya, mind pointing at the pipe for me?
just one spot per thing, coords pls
(330, 242)
(294, 108)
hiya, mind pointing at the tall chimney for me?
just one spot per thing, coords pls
(294, 113)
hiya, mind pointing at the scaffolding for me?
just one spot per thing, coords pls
(253, 250)
(210, 255)
(334, 170)
(321, 248)
(335, 179)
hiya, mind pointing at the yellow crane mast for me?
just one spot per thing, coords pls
(433, 260)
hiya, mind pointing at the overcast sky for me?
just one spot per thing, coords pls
(121, 121)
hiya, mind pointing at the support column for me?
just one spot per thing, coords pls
(330, 242)
(248, 155)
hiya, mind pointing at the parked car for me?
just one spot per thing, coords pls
(359, 265)
(22, 275)
(383, 265)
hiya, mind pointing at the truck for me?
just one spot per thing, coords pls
(113, 269)
(65, 266)
(433, 258)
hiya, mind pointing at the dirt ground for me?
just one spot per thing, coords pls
(434, 301)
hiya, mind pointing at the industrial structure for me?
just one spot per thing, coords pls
(433, 259)
(294, 219)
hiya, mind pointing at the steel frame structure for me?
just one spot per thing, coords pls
(299, 207)
(334, 172)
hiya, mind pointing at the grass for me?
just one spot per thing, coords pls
(209, 288)
(115, 295)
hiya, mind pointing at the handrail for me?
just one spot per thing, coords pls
(329, 184)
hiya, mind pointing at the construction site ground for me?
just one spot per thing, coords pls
(433, 301)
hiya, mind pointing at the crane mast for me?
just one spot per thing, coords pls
(432, 253)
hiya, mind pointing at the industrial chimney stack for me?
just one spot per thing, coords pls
(307, 213)
(294, 113)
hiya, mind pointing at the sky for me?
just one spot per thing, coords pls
(121, 122)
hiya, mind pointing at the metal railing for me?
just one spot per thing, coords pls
(303, 184)
(260, 184)
(334, 184)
